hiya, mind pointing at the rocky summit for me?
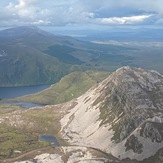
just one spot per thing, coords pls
(123, 115)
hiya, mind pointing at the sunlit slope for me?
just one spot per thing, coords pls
(69, 87)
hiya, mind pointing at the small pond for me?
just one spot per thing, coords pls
(50, 139)
(26, 104)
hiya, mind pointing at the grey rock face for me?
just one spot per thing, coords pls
(128, 118)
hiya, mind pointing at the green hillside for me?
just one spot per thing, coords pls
(24, 65)
(69, 87)
(31, 56)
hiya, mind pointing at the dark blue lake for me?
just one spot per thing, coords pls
(50, 139)
(12, 92)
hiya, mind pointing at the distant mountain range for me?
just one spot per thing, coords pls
(140, 34)
(30, 56)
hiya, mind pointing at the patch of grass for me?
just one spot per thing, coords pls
(7, 108)
(18, 138)
(20, 135)
(46, 120)
(13, 140)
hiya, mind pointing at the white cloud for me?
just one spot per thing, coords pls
(124, 20)
(25, 3)
(27, 12)
(22, 4)
(21, 9)
(41, 22)
(62, 12)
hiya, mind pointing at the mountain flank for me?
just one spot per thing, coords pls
(122, 115)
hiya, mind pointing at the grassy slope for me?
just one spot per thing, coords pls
(24, 65)
(69, 87)
(13, 139)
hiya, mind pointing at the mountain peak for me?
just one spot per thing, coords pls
(128, 69)
(113, 115)
(23, 31)
(135, 75)
(124, 68)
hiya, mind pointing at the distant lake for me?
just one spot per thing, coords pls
(12, 92)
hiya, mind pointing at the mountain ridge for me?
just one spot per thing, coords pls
(119, 112)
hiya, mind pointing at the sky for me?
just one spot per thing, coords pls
(81, 13)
